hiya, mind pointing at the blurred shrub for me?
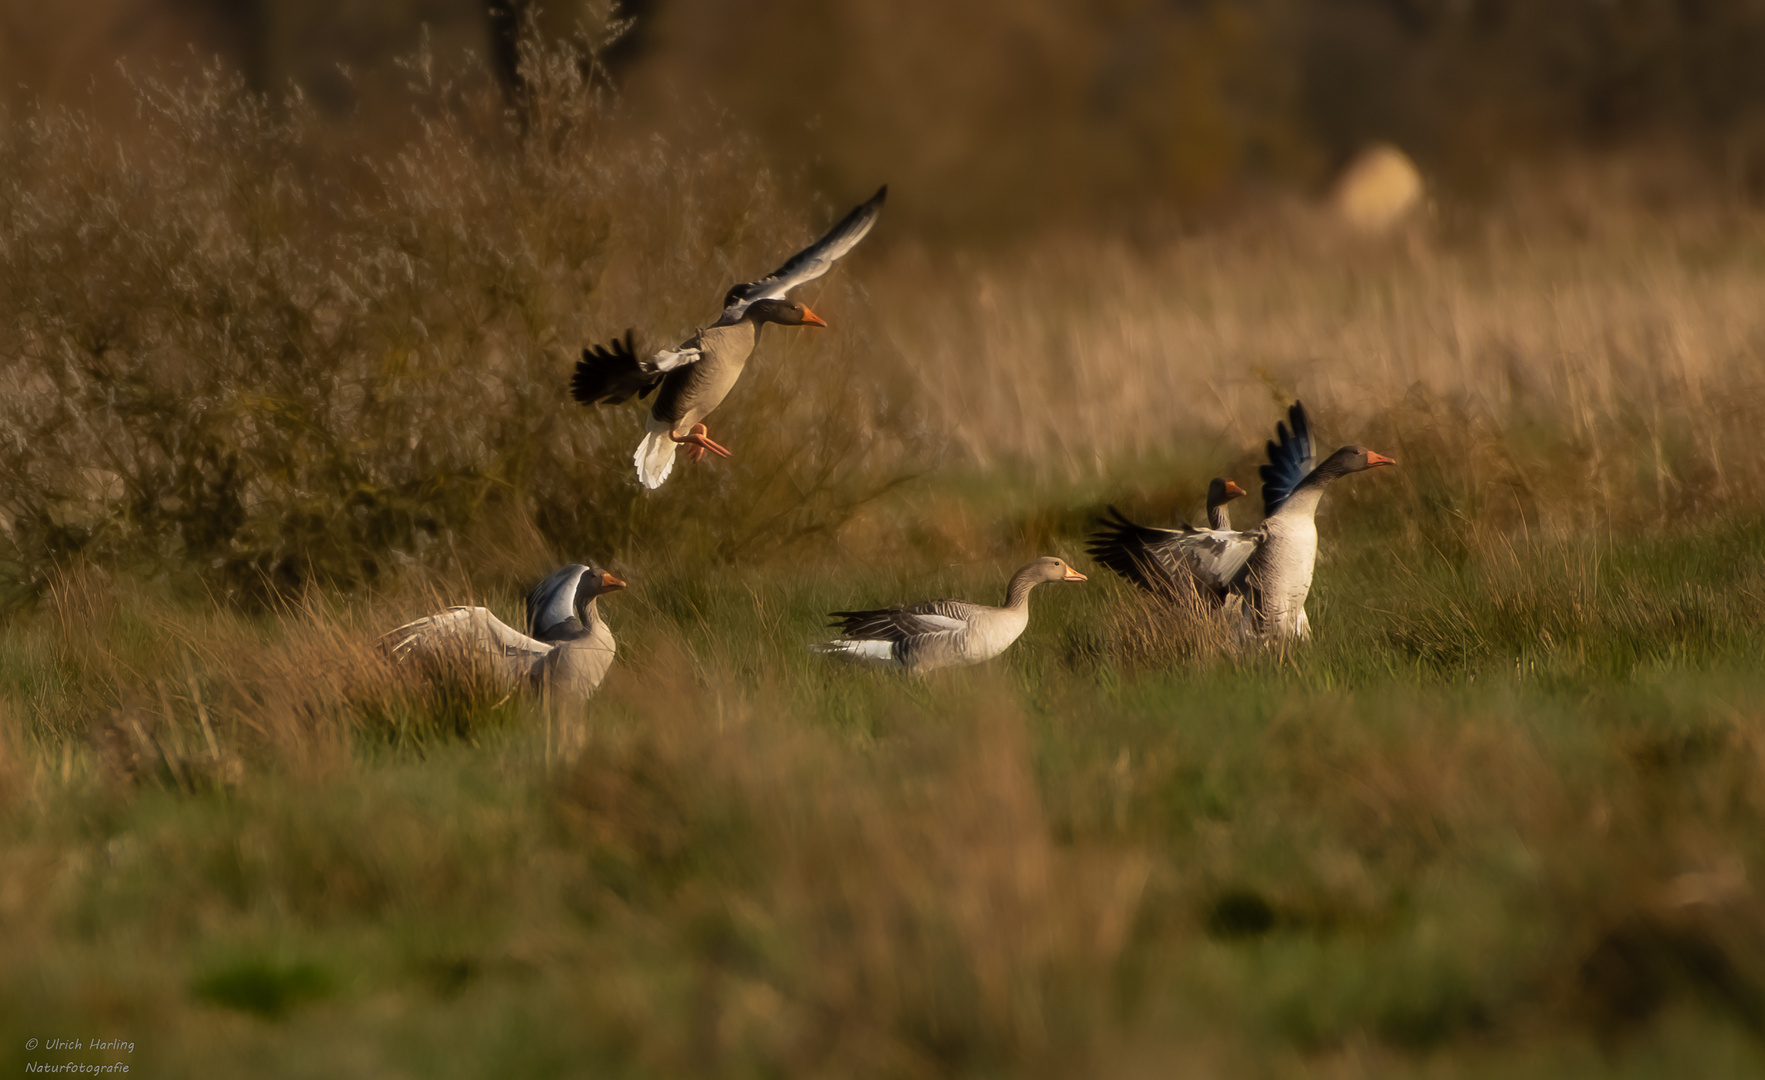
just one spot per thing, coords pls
(235, 342)
(994, 115)
(999, 115)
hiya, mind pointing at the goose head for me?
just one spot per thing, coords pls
(1050, 568)
(558, 607)
(784, 313)
(594, 583)
(1047, 568)
(1353, 459)
(1221, 491)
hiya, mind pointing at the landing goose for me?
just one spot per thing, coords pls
(942, 633)
(567, 648)
(695, 377)
(1270, 566)
(1154, 558)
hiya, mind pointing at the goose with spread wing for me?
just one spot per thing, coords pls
(942, 633)
(567, 649)
(1154, 559)
(696, 377)
(1270, 566)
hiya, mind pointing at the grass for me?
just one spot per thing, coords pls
(1442, 842)
(1498, 819)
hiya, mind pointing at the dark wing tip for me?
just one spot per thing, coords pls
(1289, 454)
(609, 374)
(583, 381)
(1120, 546)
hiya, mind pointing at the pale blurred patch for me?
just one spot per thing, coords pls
(1378, 189)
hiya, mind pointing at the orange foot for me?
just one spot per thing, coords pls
(700, 441)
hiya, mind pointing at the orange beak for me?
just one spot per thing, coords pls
(609, 582)
(1234, 490)
(810, 318)
(1379, 459)
(1073, 575)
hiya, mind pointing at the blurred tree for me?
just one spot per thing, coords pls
(992, 113)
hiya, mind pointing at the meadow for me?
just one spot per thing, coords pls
(271, 389)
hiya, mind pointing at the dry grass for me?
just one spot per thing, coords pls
(247, 348)
(738, 859)
(1614, 372)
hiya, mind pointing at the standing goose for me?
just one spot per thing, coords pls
(697, 376)
(1153, 558)
(1270, 566)
(568, 653)
(942, 633)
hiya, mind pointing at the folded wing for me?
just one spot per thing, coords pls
(810, 263)
(901, 623)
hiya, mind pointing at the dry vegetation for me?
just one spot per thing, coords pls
(268, 391)
(243, 349)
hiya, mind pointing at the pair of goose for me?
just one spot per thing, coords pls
(1265, 572)
(567, 649)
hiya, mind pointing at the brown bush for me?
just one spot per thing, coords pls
(242, 346)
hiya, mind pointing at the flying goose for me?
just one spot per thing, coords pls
(567, 648)
(695, 377)
(1154, 558)
(942, 633)
(1270, 566)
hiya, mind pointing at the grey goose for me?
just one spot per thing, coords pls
(567, 649)
(1269, 568)
(942, 633)
(695, 377)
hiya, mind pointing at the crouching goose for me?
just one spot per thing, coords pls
(1270, 566)
(695, 377)
(567, 649)
(942, 633)
(1154, 559)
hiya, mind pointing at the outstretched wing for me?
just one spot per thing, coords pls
(466, 635)
(1219, 557)
(613, 372)
(553, 600)
(1150, 558)
(903, 622)
(808, 264)
(1290, 460)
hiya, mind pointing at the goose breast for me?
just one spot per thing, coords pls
(690, 393)
(1284, 572)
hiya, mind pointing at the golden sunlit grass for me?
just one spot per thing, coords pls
(268, 394)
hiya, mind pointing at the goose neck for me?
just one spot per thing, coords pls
(1017, 594)
(1304, 500)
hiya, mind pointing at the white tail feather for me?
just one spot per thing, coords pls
(869, 652)
(655, 455)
